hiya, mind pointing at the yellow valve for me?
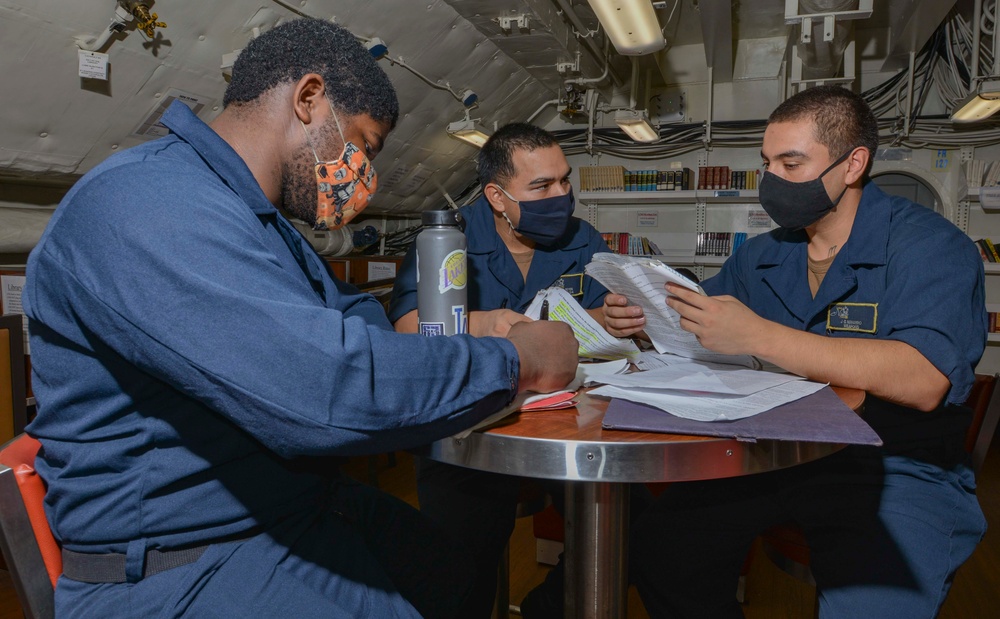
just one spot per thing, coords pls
(146, 21)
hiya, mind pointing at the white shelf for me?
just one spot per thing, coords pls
(992, 268)
(688, 260)
(666, 197)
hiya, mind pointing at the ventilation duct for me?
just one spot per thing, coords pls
(820, 58)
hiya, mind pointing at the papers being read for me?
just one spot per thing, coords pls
(643, 281)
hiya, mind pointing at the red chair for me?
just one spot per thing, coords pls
(785, 544)
(33, 556)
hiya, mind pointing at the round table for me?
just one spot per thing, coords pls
(598, 465)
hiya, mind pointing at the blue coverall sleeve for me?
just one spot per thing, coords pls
(404, 291)
(187, 288)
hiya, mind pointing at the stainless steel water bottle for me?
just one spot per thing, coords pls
(442, 306)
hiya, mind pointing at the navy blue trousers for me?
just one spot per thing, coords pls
(886, 535)
(364, 555)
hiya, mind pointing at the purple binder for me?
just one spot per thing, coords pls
(821, 417)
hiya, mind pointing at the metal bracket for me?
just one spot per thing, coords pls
(507, 24)
(962, 216)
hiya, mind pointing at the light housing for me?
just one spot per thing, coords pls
(468, 130)
(636, 124)
(377, 48)
(979, 105)
(631, 25)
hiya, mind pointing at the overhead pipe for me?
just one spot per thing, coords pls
(577, 24)
(977, 15)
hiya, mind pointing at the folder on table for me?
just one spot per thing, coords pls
(821, 417)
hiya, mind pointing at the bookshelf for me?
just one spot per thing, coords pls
(680, 253)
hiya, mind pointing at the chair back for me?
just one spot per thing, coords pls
(984, 400)
(32, 553)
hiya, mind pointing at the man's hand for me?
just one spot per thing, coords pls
(722, 324)
(496, 323)
(620, 318)
(548, 354)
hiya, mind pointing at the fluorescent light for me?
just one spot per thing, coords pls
(631, 25)
(636, 124)
(469, 131)
(979, 105)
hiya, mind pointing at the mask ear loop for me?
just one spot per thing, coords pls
(515, 201)
(308, 141)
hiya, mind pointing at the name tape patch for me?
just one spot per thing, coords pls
(857, 317)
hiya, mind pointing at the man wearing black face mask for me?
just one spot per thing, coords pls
(857, 289)
(522, 238)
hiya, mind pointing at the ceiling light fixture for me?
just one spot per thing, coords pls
(631, 25)
(468, 130)
(636, 124)
(979, 105)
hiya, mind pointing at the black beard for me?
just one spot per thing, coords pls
(298, 187)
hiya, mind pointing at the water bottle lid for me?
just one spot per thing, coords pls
(448, 217)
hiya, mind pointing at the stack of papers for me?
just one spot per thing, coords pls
(643, 282)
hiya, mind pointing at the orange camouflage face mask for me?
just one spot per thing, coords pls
(344, 186)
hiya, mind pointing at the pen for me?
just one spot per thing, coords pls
(503, 304)
(544, 313)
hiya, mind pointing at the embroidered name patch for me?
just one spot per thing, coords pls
(857, 317)
(571, 283)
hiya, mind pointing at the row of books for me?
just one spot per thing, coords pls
(987, 250)
(659, 180)
(718, 243)
(994, 323)
(630, 244)
(617, 178)
(980, 173)
(721, 177)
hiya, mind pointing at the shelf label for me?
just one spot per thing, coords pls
(647, 219)
(989, 197)
(728, 193)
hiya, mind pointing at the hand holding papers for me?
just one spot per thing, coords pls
(595, 342)
(643, 281)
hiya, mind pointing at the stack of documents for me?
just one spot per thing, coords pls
(643, 282)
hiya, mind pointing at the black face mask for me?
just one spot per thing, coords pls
(797, 205)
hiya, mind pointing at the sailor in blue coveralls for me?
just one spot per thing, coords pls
(522, 238)
(858, 289)
(196, 364)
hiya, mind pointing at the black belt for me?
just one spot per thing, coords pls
(110, 567)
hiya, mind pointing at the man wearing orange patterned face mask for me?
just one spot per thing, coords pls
(196, 364)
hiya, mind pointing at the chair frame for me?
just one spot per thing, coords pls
(21, 551)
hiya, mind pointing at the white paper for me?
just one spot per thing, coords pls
(381, 270)
(594, 341)
(693, 377)
(705, 408)
(93, 65)
(643, 281)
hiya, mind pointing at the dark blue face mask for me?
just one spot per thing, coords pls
(544, 221)
(798, 205)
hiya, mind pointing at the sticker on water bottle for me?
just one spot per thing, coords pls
(432, 328)
(452, 275)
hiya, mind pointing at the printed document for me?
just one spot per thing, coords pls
(595, 342)
(643, 281)
(711, 408)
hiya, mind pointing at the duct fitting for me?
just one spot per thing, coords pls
(822, 59)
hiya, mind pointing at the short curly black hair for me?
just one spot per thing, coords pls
(354, 81)
(496, 159)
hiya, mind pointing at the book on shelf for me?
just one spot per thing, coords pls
(629, 244)
(987, 250)
(718, 243)
(712, 178)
